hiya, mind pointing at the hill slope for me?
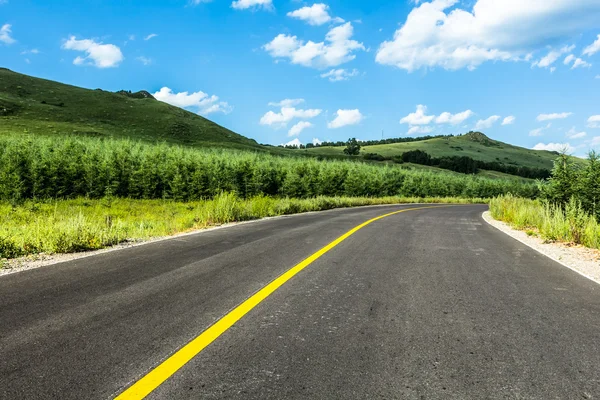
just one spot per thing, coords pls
(40, 106)
(475, 145)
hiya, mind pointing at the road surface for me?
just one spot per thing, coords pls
(428, 303)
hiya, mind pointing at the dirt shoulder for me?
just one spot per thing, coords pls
(582, 260)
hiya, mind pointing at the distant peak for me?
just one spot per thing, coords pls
(480, 138)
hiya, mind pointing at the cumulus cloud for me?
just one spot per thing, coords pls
(439, 33)
(454, 119)
(573, 134)
(254, 4)
(345, 118)
(553, 116)
(296, 143)
(337, 48)
(337, 75)
(551, 58)
(316, 141)
(560, 147)
(487, 123)
(317, 14)
(419, 129)
(509, 120)
(594, 121)
(287, 103)
(5, 34)
(419, 117)
(97, 54)
(299, 127)
(287, 114)
(199, 101)
(539, 131)
(592, 48)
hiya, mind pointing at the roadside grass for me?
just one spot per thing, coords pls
(67, 226)
(570, 224)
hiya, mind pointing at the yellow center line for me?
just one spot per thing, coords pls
(153, 379)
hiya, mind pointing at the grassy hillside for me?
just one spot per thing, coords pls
(39, 106)
(475, 145)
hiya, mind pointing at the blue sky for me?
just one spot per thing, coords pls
(525, 72)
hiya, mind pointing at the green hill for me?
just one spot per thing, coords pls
(474, 144)
(40, 106)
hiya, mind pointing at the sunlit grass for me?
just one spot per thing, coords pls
(552, 222)
(67, 226)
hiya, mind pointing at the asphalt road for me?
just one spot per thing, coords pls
(429, 304)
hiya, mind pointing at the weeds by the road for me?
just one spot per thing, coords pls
(553, 222)
(66, 226)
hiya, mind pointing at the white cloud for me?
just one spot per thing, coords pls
(299, 127)
(316, 14)
(509, 120)
(569, 59)
(97, 54)
(287, 103)
(551, 58)
(553, 116)
(597, 77)
(150, 36)
(573, 134)
(454, 119)
(487, 123)
(419, 129)
(539, 131)
(296, 142)
(144, 60)
(592, 48)
(316, 141)
(345, 118)
(555, 147)
(287, 114)
(594, 121)
(245, 4)
(32, 51)
(337, 75)
(337, 48)
(441, 34)
(577, 62)
(5, 34)
(419, 117)
(199, 101)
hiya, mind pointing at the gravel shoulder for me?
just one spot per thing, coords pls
(583, 260)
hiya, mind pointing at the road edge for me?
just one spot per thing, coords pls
(537, 245)
(37, 261)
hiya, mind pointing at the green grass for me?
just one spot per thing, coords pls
(67, 226)
(58, 167)
(43, 107)
(475, 145)
(553, 223)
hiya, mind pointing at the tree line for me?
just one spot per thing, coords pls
(468, 165)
